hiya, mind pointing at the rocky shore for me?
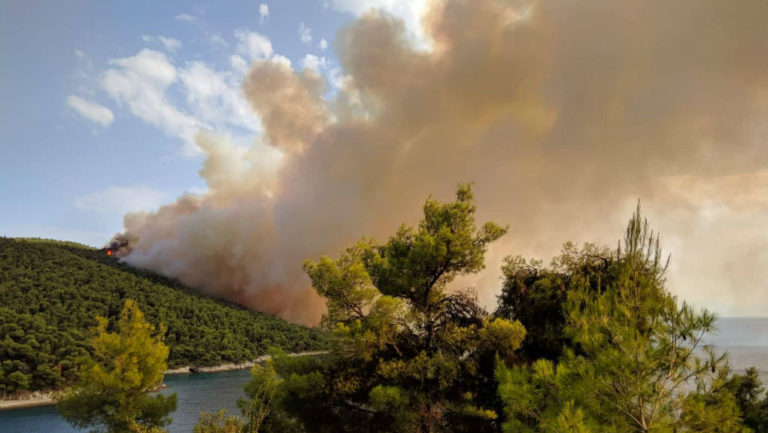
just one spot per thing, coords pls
(190, 369)
(37, 398)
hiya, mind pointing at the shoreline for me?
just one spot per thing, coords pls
(231, 366)
(45, 398)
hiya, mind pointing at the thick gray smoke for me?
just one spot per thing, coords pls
(563, 113)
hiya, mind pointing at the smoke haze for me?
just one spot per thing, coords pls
(563, 113)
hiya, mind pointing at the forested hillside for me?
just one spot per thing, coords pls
(51, 292)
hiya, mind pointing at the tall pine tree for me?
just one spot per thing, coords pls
(631, 357)
(111, 394)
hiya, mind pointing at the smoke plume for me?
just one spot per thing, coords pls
(563, 113)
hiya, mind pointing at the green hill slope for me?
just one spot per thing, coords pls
(51, 291)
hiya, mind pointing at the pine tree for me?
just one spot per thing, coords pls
(111, 394)
(219, 423)
(409, 354)
(632, 355)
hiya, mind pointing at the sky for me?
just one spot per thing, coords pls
(229, 141)
(85, 137)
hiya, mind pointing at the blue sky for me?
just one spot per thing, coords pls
(87, 134)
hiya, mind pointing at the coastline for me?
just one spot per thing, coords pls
(34, 399)
(230, 366)
(45, 398)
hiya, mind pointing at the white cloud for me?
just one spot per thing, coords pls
(140, 82)
(238, 64)
(263, 11)
(305, 33)
(84, 74)
(279, 58)
(181, 98)
(148, 84)
(170, 44)
(215, 97)
(410, 11)
(218, 41)
(253, 45)
(323, 44)
(187, 18)
(149, 65)
(119, 200)
(91, 110)
(338, 80)
(312, 61)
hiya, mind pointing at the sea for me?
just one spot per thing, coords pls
(202, 392)
(745, 340)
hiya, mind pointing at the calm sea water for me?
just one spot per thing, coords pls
(196, 393)
(745, 339)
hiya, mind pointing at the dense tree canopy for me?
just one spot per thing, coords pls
(535, 295)
(750, 397)
(409, 355)
(592, 343)
(628, 351)
(113, 382)
(50, 293)
(607, 348)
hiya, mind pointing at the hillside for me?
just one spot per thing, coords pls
(51, 291)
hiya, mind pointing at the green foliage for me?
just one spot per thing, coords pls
(345, 284)
(218, 423)
(416, 264)
(535, 295)
(111, 393)
(139, 428)
(50, 292)
(260, 391)
(630, 351)
(408, 355)
(750, 398)
(711, 408)
(571, 420)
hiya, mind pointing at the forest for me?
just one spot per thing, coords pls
(592, 342)
(51, 293)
